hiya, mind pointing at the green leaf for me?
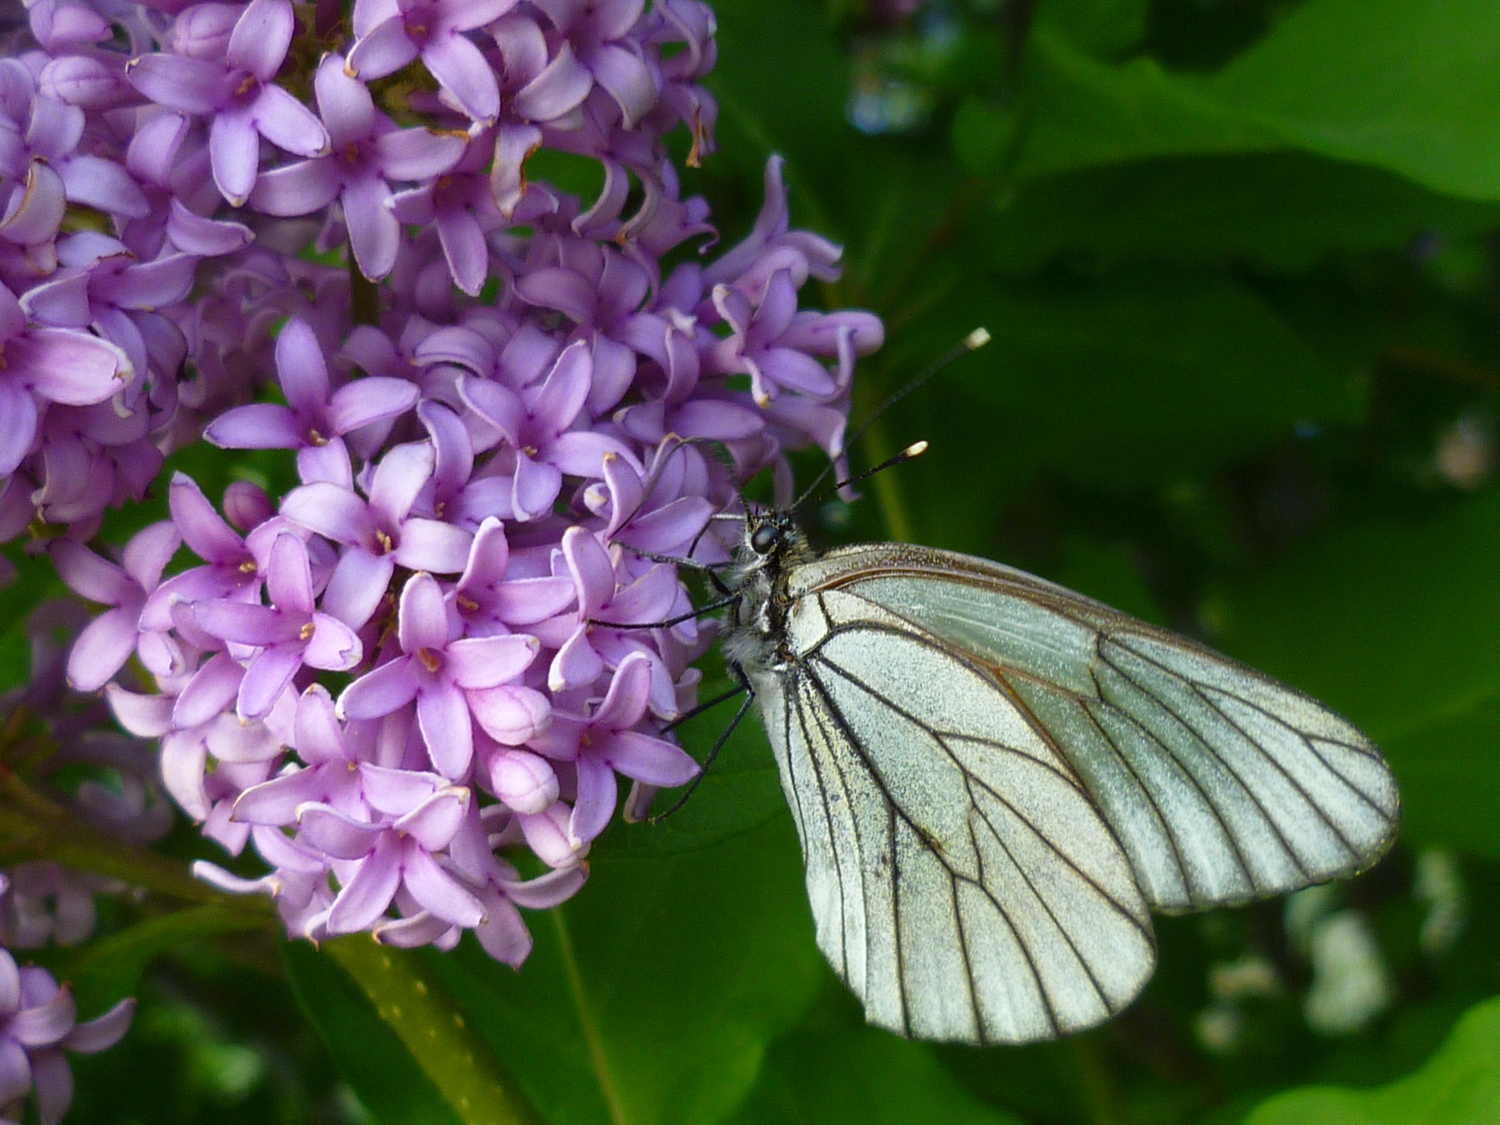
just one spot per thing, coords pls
(1140, 378)
(863, 1076)
(1086, 112)
(1410, 85)
(400, 1039)
(1283, 211)
(1460, 1085)
(651, 996)
(1103, 28)
(1393, 624)
(110, 968)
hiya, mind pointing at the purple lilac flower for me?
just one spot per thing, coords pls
(38, 1022)
(485, 462)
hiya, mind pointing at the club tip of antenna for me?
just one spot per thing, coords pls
(977, 339)
(915, 449)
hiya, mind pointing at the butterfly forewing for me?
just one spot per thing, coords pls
(1221, 784)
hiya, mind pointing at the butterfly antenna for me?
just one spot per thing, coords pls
(972, 342)
(915, 449)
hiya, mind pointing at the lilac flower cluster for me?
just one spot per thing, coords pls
(290, 227)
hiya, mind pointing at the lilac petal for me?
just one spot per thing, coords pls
(194, 234)
(105, 185)
(397, 792)
(333, 645)
(212, 688)
(465, 250)
(652, 760)
(627, 78)
(288, 124)
(514, 145)
(332, 512)
(45, 1024)
(15, 1072)
(269, 674)
(567, 291)
(581, 453)
(261, 37)
(102, 649)
(796, 371)
(670, 527)
(69, 367)
(522, 780)
(275, 802)
(595, 803)
(359, 583)
(385, 49)
(343, 102)
(145, 716)
(576, 663)
(18, 408)
(149, 551)
(366, 896)
(536, 487)
(503, 935)
(374, 233)
(443, 716)
(423, 619)
(558, 89)
(246, 624)
(435, 821)
(152, 285)
(379, 692)
(509, 714)
(593, 572)
(234, 149)
(421, 928)
(102, 1032)
(260, 425)
(546, 891)
(326, 829)
(10, 983)
(297, 189)
(466, 15)
(547, 835)
(484, 662)
(398, 480)
(54, 1085)
(88, 575)
(289, 578)
(418, 154)
(438, 892)
(433, 545)
(183, 760)
(193, 86)
(629, 691)
(496, 403)
(567, 387)
(525, 601)
(370, 399)
(301, 369)
(464, 72)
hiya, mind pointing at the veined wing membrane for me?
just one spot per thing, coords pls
(1221, 784)
(973, 892)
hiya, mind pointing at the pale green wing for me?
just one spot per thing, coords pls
(961, 881)
(1221, 784)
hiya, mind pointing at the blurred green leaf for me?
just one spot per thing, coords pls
(1409, 85)
(107, 969)
(1103, 28)
(863, 1076)
(1280, 211)
(652, 995)
(1460, 1085)
(1139, 377)
(1395, 625)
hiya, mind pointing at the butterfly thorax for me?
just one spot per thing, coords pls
(755, 636)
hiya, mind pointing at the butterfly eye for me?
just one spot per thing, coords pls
(764, 538)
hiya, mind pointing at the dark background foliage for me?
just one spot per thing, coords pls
(1239, 261)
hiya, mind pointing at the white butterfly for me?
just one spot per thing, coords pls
(995, 780)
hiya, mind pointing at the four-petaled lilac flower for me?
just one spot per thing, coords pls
(313, 418)
(437, 670)
(392, 853)
(239, 94)
(391, 33)
(379, 534)
(367, 151)
(605, 743)
(286, 634)
(38, 1021)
